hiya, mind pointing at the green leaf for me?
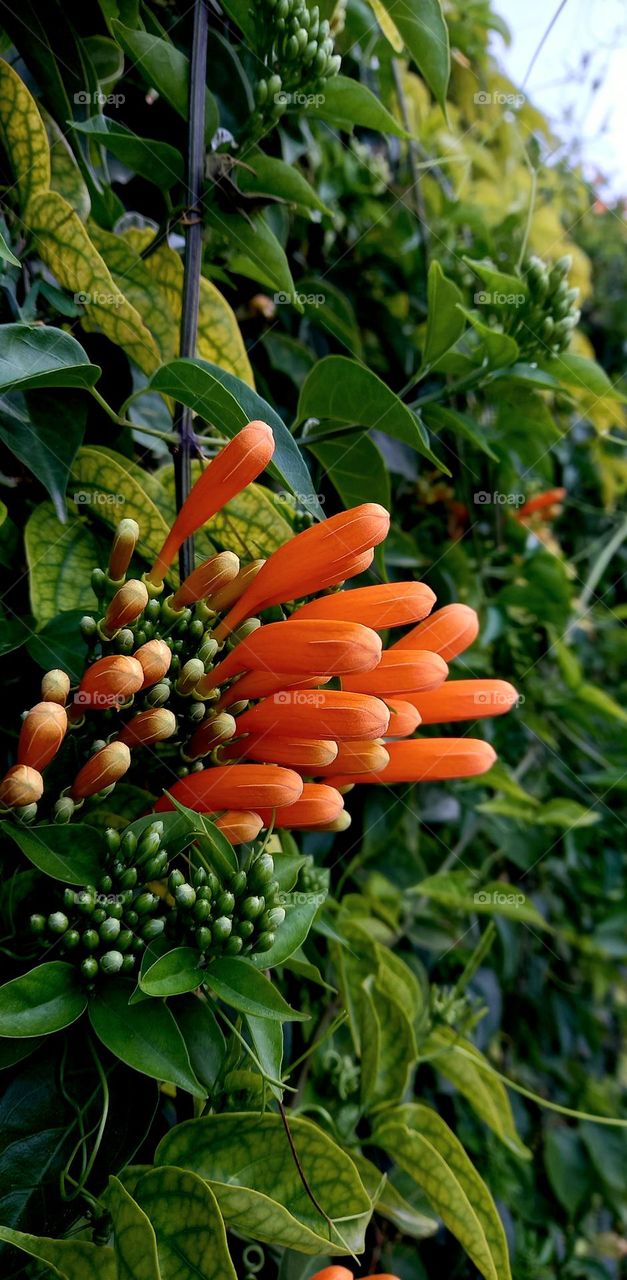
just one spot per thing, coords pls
(172, 974)
(186, 1219)
(343, 390)
(134, 1238)
(203, 1038)
(14, 632)
(568, 1168)
(68, 1259)
(163, 67)
(266, 175)
(254, 251)
(60, 560)
(348, 104)
(145, 1036)
(158, 162)
(60, 643)
(43, 1000)
(499, 282)
(445, 320)
(439, 418)
(247, 1161)
(42, 357)
(453, 1058)
(582, 373)
(388, 1046)
(497, 347)
(211, 841)
(420, 1142)
(227, 403)
(267, 1039)
(73, 854)
(241, 985)
(6, 253)
(301, 910)
(559, 812)
(45, 433)
(422, 26)
(392, 1205)
(456, 890)
(355, 467)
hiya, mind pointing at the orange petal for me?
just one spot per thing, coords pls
(235, 786)
(259, 684)
(154, 725)
(357, 757)
(125, 607)
(102, 769)
(404, 719)
(400, 671)
(318, 713)
(448, 632)
(317, 805)
(215, 573)
(392, 604)
(154, 658)
(307, 754)
(239, 462)
(465, 700)
(239, 826)
(301, 649)
(333, 1273)
(541, 501)
(109, 681)
(41, 734)
(430, 760)
(20, 786)
(301, 565)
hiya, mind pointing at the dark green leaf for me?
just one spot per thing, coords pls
(172, 974)
(145, 1036)
(254, 251)
(581, 373)
(242, 986)
(135, 1241)
(445, 321)
(355, 468)
(422, 26)
(440, 418)
(43, 1000)
(346, 103)
(6, 253)
(68, 1259)
(157, 161)
(163, 67)
(203, 1038)
(42, 357)
(61, 643)
(266, 175)
(301, 909)
(73, 854)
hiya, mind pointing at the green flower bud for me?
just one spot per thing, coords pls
(203, 937)
(109, 929)
(225, 903)
(63, 810)
(85, 900)
(131, 918)
(125, 938)
(238, 883)
(244, 929)
(261, 872)
(125, 641)
(129, 844)
(112, 840)
(251, 908)
(156, 867)
(37, 923)
(98, 915)
(128, 964)
(89, 967)
(129, 878)
(150, 842)
(158, 695)
(199, 877)
(69, 899)
(275, 84)
(233, 946)
(153, 610)
(153, 929)
(111, 962)
(261, 94)
(146, 903)
(71, 939)
(90, 940)
(202, 911)
(264, 942)
(185, 896)
(272, 919)
(175, 879)
(222, 928)
(105, 884)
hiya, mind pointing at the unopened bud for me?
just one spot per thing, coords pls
(206, 579)
(223, 599)
(341, 823)
(246, 629)
(55, 687)
(108, 682)
(124, 543)
(102, 770)
(191, 673)
(158, 695)
(208, 650)
(155, 658)
(125, 607)
(63, 810)
(154, 725)
(210, 734)
(22, 785)
(41, 734)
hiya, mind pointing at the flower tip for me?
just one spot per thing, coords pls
(22, 785)
(41, 734)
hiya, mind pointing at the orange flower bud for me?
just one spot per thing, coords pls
(465, 700)
(20, 786)
(124, 543)
(301, 565)
(55, 687)
(320, 713)
(239, 826)
(150, 726)
(125, 607)
(404, 719)
(542, 502)
(392, 604)
(239, 462)
(305, 754)
(235, 786)
(259, 684)
(109, 682)
(449, 631)
(228, 594)
(154, 658)
(215, 573)
(302, 648)
(333, 1273)
(41, 734)
(103, 769)
(430, 760)
(357, 757)
(400, 671)
(210, 734)
(316, 806)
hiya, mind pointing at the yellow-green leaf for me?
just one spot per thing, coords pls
(386, 1065)
(134, 1239)
(115, 488)
(60, 560)
(388, 27)
(23, 136)
(391, 1204)
(63, 243)
(191, 1239)
(68, 1259)
(66, 177)
(460, 1062)
(141, 286)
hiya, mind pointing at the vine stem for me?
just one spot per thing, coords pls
(183, 421)
(303, 1177)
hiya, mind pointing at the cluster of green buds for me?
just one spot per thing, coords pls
(311, 879)
(297, 48)
(141, 897)
(550, 313)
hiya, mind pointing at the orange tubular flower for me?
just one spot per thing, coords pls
(400, 672)
(148, 726)
(154, 658)
(235, 466)
(235, 786)
(429, 760)
(109, 682)
(239, 826)
(301, 565)
(41, 735)
(392, 604)
(319, 713)
(356, 757)
(211, 576)
(260, 684)
(125, 607)
(104, 768)
(302, 649)
(315, 807)
(546, 502)
(124, 543)
(465, 700)
(21, 785)
(404, 719)
(306, 754)
(449, 631)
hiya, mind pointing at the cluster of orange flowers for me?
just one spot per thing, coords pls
(279, 745)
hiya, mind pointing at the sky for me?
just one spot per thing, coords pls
(580, 77)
